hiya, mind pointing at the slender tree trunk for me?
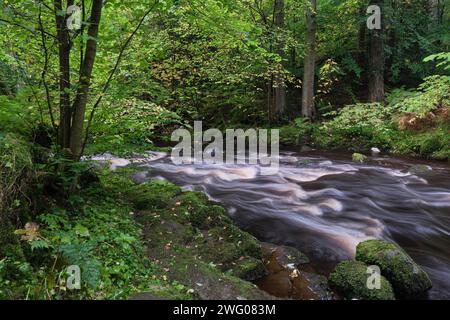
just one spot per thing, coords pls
(308, 109)
(279, 83)
(376, 60)
(362, 30)
(64, 75)
(79, 105)
(269, 100)
(434, 8)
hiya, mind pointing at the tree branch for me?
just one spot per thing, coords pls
(26, 28)
(111, 75)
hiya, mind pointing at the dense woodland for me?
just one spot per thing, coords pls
(133, 71)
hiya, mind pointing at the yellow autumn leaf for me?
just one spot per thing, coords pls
(30, 232)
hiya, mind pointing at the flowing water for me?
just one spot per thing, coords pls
(324, 204)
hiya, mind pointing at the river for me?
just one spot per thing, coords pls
(324, 204)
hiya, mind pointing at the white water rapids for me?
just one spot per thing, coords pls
(325, 204)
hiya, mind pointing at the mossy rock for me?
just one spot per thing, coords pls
(349, 279)
(420, 168)
(205, 217)
(358, 157)
(292, 256)
(196, 243)
(406, 277)
(196, 209)
(152, 195)
(225, 245)
(161, 292)
(218, 249)
(248, 244)
(249, 269)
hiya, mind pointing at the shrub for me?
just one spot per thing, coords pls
(289, 136)
(359, 127)
(15, 173)
(433, 93)
(15, 168)
(297, 134)
(16, 113)
(131, 125)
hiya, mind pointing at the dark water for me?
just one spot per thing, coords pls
(325, 204)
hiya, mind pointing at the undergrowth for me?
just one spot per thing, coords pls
(95, 230)
(412, 122)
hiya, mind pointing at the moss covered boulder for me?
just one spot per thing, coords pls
(195, 244)
(358, 157)
(420, 169)
(349, 279)
(406, 277)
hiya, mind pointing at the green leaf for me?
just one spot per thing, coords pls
(39, 244)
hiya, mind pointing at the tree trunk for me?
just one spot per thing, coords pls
(433, 7)
(308, 109)
(362, 30)
(64, 75)
(376, 61)
(279, 83)
(79, 105)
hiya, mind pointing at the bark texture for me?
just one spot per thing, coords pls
(79, 105)
(376, 60)
(308, 109)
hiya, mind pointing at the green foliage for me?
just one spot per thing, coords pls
(212, 60)
(132, 125)
(15, 175)
(433, 93)
(362, 126)
(298, 133)
(17, 114)
(329, 73)
(417, 33)
(15, 172)
(442, 59)
(360, 116)
(14, 155)
(358, 127)
(289, 135)
(432, 144)
(9, 75)
(98, 234)
(193, 60)
(15, 274)
(155, 195)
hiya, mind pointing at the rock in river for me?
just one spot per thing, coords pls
(349, 279)
(406, 277)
